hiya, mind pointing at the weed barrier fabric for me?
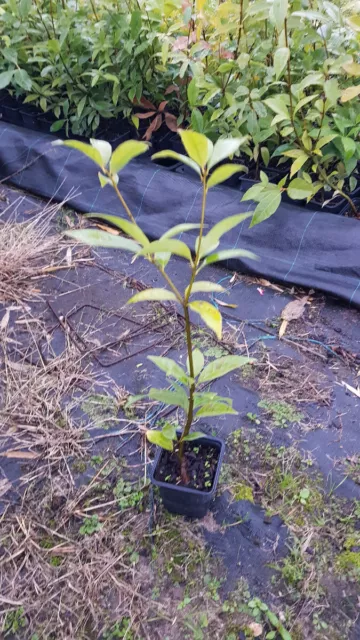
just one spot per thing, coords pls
(297, 246)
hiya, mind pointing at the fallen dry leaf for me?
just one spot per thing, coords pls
(5, 320)
(68, 256)
(114, 232)
(356, 392)
(26, 455)
(5, 486)
(210, 523)
(256, 629)
(225, 304)
(270, 285)
(292, 311)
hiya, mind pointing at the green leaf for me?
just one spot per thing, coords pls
(224, 149)
(22, 78)
(273, 619)
(215, 409)
(281, 58)
(125, 152)
(192, 93)
(195, 435)
(86, 149)
(305, 493)
(198, 362)
(267, 206)
(211, 240)
(104, 148)
(332, 91)
(285, 635)
(24, 8)
(97, 238)
(167, 245)
(299, 189)
(223, 173)
(5, 78)
(350, 93)
(177, 398)
(131, 229)
(152, 294)
(158, 438)
(56, 126)
(254, 192)
(135, 24)
(171, 368)
(325, 140)
(298, 163)
(221, 366)
(305, 101)
(179, 228)
(209, 314)
(176, 156)
(169, 431)
(227, 254)
(203, 398)
(265, 154)
(279, 12)
(198, 147)
(205, 286)
(278, 105)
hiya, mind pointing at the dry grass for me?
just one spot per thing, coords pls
(28, 251)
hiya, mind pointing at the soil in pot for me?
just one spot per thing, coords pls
(201, 463)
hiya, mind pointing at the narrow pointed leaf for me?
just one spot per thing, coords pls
(86, 149)
(208, 396)
(205, 286)
(125, 152)
(126, 226)
(178, 229)
(225, 148)
(212, 238)
(254, 192)
(104, 148)
(97, 238)
(158, 438)
(209, 314)
(176, 156)
(299, 189)
(350, 93)
(297, 164)
(169, 431)
(152, 295)
(223, 173)
(171, 368)
(177, 398)
(267, 206)
(215, 409)
(198, 362)
(227, 254)
(198, 147)
(177, 247)
(222, 366)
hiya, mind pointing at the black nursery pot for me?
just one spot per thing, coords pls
(185, 501)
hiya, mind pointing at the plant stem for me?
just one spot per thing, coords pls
(288, 66)
(325, 179)
(94, 9)
(130, 215)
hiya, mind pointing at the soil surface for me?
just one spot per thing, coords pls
(199, 464)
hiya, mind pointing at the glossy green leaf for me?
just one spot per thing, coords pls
(211, 240)
(281, 58)
(195, 435)
(177, 398)
(131, 229)
(198, 362)
(158, 438)
(299, 189)
(192, 92)
(268, 204)
(278, 105)
(227, 254)
(97, 238)
(215, 409)
(5, 78)
(104, 148)
(169, 431)
(209, 314)
(167, 245)
(205, 286)
(86, 149)
(223, 173)
(253, 192)
(171, 368)
(298, 163)
(224, 148)
(125, 152)
(178, 229)
(325, 140)
(198, 147)
(221, 366)
(22, 78)
(135, 23)
(305, 101)
(279, 12)
(176, 156)
(152, 295)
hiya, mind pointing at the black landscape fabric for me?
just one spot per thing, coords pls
(295, 246)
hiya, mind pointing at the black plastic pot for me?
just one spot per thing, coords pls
(30, 117)
(10, 111)
(183, 500)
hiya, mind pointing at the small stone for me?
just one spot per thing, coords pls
(267, 519)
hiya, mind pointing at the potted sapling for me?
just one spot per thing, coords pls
(187, 463)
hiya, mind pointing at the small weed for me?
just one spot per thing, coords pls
(119, 630)
(90, 526)
(79, 466)
(56, 561)
(96, 461)
(127, 495)
(14, 622)
(242, 492)
(101, 409)
(282, 414)
(253, 417)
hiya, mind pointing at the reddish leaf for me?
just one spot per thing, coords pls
(171, 122)
(147, 104)
(143, 116)
(224, 53)
(156, 124)
(172, 88)
(162, 105)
